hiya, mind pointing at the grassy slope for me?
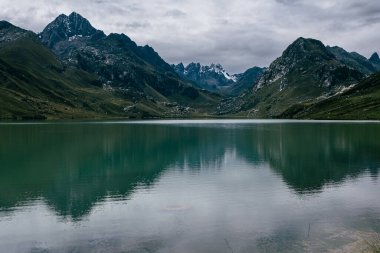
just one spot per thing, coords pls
(303, 81)
(35, 85)
(270, 102)
(361, 102)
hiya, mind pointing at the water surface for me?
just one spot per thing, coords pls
(189, 186)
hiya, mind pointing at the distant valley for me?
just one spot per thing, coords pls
(215, 78)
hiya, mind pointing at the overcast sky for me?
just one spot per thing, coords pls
(236, 33)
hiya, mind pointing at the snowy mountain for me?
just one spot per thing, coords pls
(212, 78)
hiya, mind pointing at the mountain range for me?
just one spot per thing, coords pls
(73, 70)
(307, 71)
(216, 79)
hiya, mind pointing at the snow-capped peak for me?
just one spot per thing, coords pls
(210, 77)
(212, 68)
(217, 68)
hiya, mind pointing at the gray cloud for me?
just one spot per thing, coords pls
(175, 13)
(288, 2)
(238, 34)
(135, 25)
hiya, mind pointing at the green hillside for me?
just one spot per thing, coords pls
(306, 71)
(362, 102)
(35, 84)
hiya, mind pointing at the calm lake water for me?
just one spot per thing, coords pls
(189, 186)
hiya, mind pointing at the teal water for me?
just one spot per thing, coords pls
(189, 186)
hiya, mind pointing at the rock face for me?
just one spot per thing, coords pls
(375, 60)
(9, 33)
(353, 60)
(72, 70)
(135, 71)
(246, 80)
(308, 60)
(68, 28)
(35, 84)
(211, 78)
(307, 70)
(216, 79)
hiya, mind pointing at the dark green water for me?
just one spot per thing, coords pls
(198, 186)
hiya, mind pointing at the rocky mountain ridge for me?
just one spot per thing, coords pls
(216, 79)
(213, 77)
(71, 69)
(138, 72)
(307, 70)
(85, 73)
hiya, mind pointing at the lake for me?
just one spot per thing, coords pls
(189, 186)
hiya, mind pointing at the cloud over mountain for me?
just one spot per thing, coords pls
(238, 34)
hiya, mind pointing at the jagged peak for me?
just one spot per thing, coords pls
(76, 15)
(61, 16)
(202, 69)
(67, 28)
(337, 48)
(5, 24)
(179, 68)
(375, 56)
(299, 40)
(71, 15)
(121, 39)
(119, 35)
(71, 25)
(212, 66)
(305, 47)
(305, 42)
(180, 65)
(149, 48)
(194, 64)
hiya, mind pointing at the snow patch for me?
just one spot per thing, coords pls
(344, 88)
(75, 37)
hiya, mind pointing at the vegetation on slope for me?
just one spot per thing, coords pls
(35, 84)
(361, 102)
